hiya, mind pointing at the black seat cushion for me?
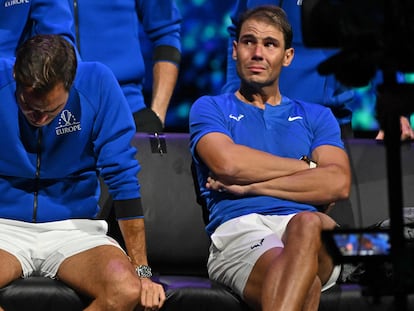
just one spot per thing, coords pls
(41, 294)
(198, 293)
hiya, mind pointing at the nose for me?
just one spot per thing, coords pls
(258, 51)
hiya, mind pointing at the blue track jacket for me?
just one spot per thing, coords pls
(51, 173)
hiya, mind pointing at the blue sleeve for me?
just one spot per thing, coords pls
(232, 79)
(206, 116)
(52, 17)
(161, 21)
(326, 130)
(6, 70)
(113, 131)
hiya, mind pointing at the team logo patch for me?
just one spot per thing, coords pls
(67, 123)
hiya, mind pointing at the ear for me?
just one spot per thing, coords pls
(289, 53)
(234, 53)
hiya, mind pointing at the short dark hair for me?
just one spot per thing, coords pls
(43, 61)
(272, 14)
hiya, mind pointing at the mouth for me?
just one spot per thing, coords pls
(256, 68)
(36, 122)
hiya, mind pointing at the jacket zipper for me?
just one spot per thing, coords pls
(37, 175)
(76, 20)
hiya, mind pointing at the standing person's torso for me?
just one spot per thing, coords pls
(108, 32)
(20, 20)
(111, 32)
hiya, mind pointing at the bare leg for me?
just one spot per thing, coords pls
(292, 274)
(10, 269)
(254, 287)
(287, 279)
(314, 296)
(105, 274)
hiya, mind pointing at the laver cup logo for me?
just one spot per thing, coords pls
(67, 123)
(15, 2)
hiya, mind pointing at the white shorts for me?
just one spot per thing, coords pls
(238, 243)
(42, 247)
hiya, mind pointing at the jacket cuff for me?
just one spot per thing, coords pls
(128, 208)
(167, 53)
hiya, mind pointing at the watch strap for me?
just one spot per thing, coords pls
(143, 271)
(311, 163)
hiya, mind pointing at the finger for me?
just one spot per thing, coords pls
(153, 295)
(146, 294)
(407, 134)
(162, 297)
(380, 135)
(158, 296)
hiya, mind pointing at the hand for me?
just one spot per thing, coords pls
(152, 295)
(326, 208)
(161, 118)
(216, 185)
(407, 132)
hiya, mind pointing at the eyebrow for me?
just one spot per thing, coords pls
(251, 36)
(248, 35)
(51, 111)
(23, 100)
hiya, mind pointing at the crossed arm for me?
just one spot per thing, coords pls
(245, 171)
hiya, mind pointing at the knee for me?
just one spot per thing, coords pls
(307, 223)
(123, 294)
(131, 291)
(306, 227)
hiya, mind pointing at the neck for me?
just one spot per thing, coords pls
(259, 97)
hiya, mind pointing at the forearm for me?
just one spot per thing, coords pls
(317, 186)
(133, 232)
(237, 164)
(164, 80)
(327, 183)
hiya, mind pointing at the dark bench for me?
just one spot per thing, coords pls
(178, 245)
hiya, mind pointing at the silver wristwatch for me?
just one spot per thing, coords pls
(311, 163)
(143, 271)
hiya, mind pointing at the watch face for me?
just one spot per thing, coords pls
(143, 271)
